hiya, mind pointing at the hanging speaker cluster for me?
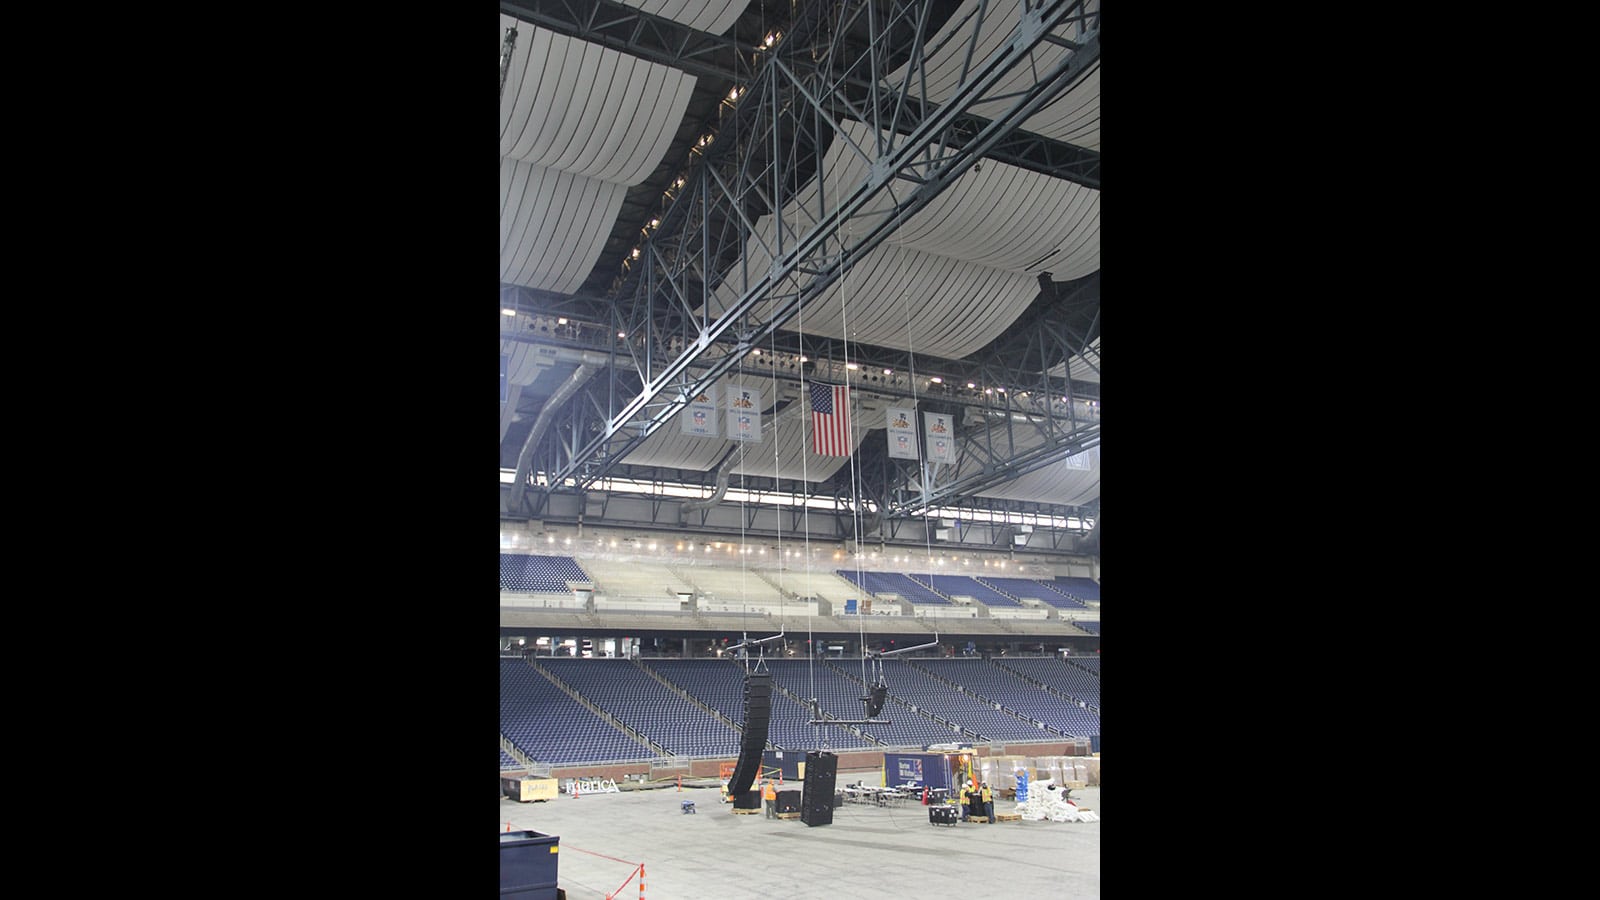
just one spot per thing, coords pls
(757, 712)
(875, 697)
(816, 797)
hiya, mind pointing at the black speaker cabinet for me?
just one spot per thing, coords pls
(747, 800)
(789, 801)
(943, 814)
(814, 816)
(757, 709)
(816, 801)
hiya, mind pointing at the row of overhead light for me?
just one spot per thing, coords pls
(790, 359)
(768, 41)
(560, 321)
(736, 549)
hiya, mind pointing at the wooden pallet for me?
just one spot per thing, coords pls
(982, 820)
(788, 815)
(1008, 817)
(744, 812)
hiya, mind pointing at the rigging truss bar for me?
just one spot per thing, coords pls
(640, 34)
(937, 176)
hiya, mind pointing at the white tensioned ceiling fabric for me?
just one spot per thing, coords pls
(955, 275)
(714, 16)
(579, 124)
(523, 364)
(1079, 369)
(1073, 117)
(1056, 483)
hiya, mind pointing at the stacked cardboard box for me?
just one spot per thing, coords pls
(1000, 773)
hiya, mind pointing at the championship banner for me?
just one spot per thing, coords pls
(902, 434)
(700, 416)
(744, 414)
(941, 434)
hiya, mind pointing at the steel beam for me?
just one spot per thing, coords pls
(812, 252)
(703, 54)
(641, 34)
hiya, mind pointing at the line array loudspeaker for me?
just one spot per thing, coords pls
(816, 799)
(757, 711)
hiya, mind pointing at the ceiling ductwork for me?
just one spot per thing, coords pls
(589, 364)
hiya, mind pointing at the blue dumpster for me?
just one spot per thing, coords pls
(528, 865)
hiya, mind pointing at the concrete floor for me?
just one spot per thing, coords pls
(867, 852)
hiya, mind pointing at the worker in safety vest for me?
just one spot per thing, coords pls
(769, 796)
(966, 803)
(988, 803)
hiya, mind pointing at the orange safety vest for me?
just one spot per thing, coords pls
(768, 792)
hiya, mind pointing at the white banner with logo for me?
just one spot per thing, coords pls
(744, 414)
(700, 416)
(902, 434)
(941, 434)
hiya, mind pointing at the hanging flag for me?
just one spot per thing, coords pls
(902, 436)
(700, 416)
(830, 419)
(744, 414)
(941, 438)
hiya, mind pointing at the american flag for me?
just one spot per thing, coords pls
(830, 419)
